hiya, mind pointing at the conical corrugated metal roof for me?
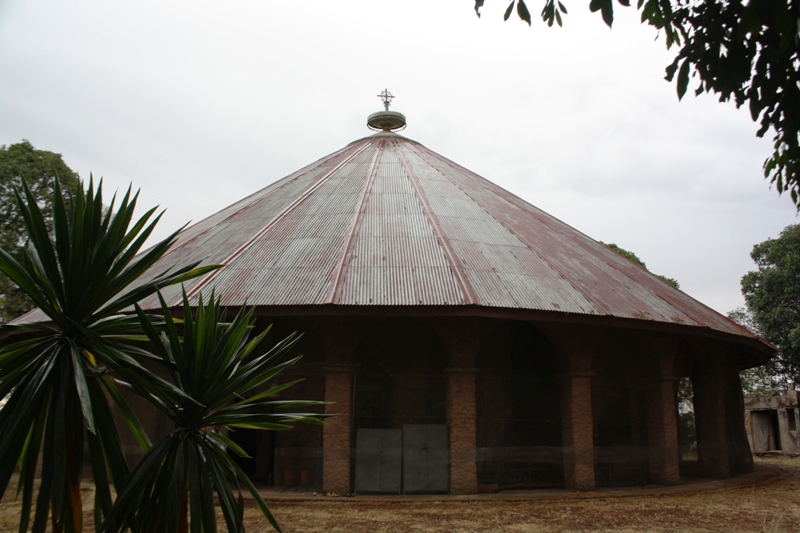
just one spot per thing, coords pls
(387, 222)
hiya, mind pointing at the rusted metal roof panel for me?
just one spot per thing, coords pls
(387, 222)
(295, 273)
(396, 258)
(299, 253)
(217, 238)
(609, 284)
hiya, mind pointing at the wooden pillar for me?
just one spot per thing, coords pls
(577, 430)
(662, 431)
(337, 431)
(461, 416)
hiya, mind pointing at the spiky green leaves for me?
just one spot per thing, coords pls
(56, 375)
(222, 386)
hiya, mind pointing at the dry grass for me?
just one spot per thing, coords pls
(771, 507)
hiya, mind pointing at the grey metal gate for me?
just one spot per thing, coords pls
(417, 455)
(426, 458)
(378, 460)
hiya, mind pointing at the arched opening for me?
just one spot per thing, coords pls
(619, 412)
(687, 425)
(292, 457)
(722, 447)
(518, 410)
(399, 377)
(399, 414)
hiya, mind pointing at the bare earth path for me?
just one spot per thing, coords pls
(772, 504)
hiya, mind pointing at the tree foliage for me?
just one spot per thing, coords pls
(772, 294)
(633, 258)
(744, 51)
(770, 377)
(40, 169)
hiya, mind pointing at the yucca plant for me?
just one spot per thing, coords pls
(59, 372)
(223, 387)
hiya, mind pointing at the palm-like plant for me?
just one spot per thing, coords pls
(57, 373)
(219, 382)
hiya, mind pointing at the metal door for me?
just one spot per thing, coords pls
(426, 458)
(378, 460)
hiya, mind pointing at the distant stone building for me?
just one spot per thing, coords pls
(466, 340)
(771, 422)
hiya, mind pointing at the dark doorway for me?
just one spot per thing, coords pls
(260, 446)
(400, 377)
(518, 410)
(619, 411)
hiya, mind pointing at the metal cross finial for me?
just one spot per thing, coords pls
(386, 96)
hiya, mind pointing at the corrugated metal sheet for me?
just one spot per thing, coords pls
(387, 222)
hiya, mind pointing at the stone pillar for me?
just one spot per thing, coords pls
(709, 412)
(741, 457)
(577, 430)
(787, 441)
(337, 431)
(461, 417)
(662, 431)
(575, 347)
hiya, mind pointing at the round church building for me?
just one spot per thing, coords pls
(466, 340)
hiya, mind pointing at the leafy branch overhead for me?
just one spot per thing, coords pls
(747, 52)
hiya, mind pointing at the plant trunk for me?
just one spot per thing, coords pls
(73, 477)
(183, 512)
(73, 481)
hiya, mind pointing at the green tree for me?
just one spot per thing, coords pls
(633, 258)
(57, 373)
(772, 294)
(771, 376)
(39, 168)
(745, 51)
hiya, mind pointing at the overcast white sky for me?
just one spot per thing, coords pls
(201, 103)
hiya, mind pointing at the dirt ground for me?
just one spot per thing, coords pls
(763, 504)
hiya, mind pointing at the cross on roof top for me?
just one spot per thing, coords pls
(386, 96)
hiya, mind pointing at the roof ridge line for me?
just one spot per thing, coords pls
(547, 220)
(335, 289)
(455, 183)
(544, 220)
(464, 284)
(300, 173)
(244, 246)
